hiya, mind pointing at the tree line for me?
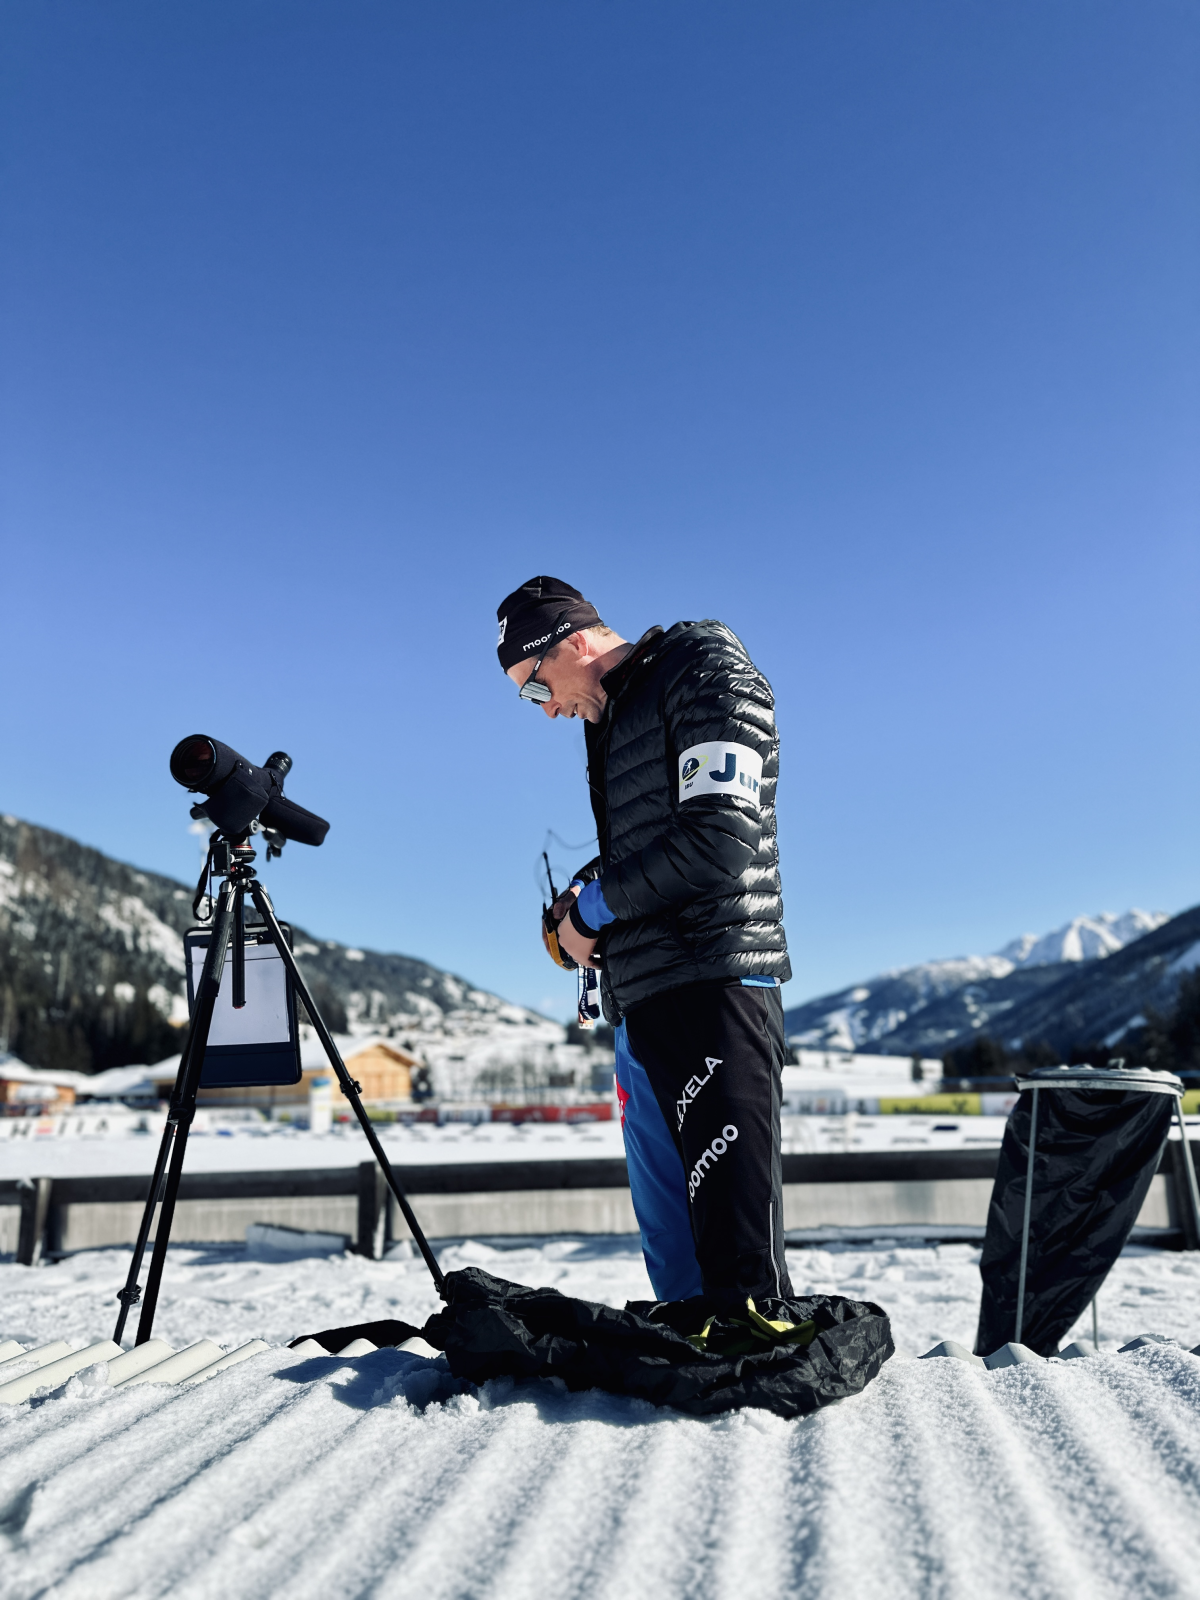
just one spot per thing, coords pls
(1168, 1041)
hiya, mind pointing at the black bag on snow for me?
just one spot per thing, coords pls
(1095, 1153)
(494, 1329)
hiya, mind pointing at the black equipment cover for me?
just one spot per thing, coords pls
(495, 1329)
(1095, 1153)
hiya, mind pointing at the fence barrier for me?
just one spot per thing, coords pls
(550, 1196)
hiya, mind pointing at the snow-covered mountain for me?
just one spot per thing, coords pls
(1082, 939)
(936, 1005)
(91, 972)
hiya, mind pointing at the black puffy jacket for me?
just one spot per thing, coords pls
(682, 768)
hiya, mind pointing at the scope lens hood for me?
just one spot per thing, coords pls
(194, 761)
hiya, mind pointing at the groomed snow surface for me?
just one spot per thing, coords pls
(293, 1476)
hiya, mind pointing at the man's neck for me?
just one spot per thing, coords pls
(611, 658)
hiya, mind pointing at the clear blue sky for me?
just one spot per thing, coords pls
(871, 329)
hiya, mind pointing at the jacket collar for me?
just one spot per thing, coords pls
(616, 680)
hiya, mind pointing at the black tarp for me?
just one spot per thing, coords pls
(494, 1329)
(1095, 1152)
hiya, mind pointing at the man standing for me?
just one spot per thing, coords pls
(682, 911)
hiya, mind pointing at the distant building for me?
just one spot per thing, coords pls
(27, 1091)
(383, 1068)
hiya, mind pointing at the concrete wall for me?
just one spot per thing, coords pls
(86, 1227)
(89, 1227)
(814, 1205)
(450, 1216)
(961, 1201)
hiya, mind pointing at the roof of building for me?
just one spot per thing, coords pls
(13, 1070)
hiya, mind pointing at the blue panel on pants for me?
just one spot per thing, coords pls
(657, 1182)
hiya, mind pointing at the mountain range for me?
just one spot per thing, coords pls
(1086, 983)
(91, 976)
(92, 971)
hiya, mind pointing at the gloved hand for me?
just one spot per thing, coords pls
(576, 934)
(552, 920)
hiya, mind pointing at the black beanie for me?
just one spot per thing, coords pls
(534, 617)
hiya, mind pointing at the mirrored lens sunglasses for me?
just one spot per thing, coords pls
(531, 689)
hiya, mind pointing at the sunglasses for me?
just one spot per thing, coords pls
(531, 689)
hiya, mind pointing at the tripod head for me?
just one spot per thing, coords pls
(231, 858)
(228, 858)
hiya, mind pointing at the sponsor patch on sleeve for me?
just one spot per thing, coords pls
(732, 770)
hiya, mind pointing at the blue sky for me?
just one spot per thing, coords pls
(871, 329)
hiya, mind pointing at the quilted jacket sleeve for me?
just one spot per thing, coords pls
(720, 715)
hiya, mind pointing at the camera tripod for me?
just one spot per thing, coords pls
(231, 861)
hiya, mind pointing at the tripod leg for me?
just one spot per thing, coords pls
(183, 1102)
(238, 979)
(348, 1086)
(131, 1294)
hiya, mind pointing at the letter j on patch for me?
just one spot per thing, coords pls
(731, 770)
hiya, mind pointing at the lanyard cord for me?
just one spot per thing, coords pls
(202, 888)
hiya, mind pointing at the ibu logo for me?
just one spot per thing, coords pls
(691, 767)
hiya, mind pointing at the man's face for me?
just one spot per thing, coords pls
(574, 688)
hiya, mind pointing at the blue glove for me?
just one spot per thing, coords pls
(590, 912)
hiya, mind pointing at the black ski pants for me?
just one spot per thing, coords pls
(714, 1055)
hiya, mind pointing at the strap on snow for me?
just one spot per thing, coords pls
(386, 1332)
